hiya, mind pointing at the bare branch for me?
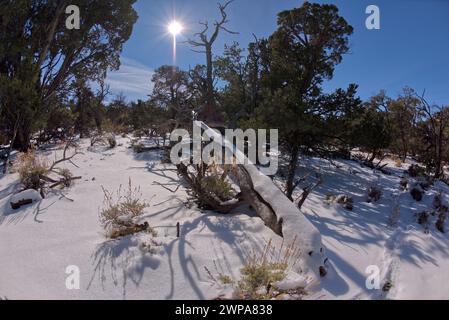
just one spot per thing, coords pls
(167, 188)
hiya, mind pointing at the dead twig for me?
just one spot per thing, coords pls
(165, 187)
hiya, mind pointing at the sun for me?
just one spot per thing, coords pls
(175, 28)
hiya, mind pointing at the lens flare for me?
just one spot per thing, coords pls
(175, 28)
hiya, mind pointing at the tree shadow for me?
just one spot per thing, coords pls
(227, 231)
(124, 260)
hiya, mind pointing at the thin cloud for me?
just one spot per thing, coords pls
(133, 79)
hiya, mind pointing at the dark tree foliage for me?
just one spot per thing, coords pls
(303, 52)
(40, 58)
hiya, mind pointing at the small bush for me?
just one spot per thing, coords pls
(120, 212)
(31, 169)
(416, 171)
(441, 221)
(437, 201)
(216, 186)
(403, 184)
(394, 216)
(442, 211)
(138, 147)
(345, 201)
(67, 177)
(374, 194)
(112, 142)
(263, 270)
(417, 193)
(423, 218)
(97, 139)
(225, 279)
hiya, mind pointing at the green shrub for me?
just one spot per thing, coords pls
(217, 186)
(262, 271)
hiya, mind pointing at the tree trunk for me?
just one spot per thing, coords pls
(22, 140)
(210, 80)
(290, 187)
(250, 196)
(438, 158)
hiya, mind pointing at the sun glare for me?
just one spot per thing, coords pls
(175, 28)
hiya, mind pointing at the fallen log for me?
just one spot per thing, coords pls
(24, 198)
(250, 196)
(17, 205)
(277, 211)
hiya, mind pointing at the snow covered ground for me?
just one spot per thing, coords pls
(39, 241)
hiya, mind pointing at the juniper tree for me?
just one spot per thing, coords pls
(303, 52)
(40, 57)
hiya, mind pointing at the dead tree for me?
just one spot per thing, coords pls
(204, 44)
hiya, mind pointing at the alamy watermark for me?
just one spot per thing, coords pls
(72, 282)
(373, 279)
(73, 21)
(239, 147)
(373, 20)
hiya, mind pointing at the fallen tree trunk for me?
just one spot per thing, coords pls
(278, 213)
(250, 196)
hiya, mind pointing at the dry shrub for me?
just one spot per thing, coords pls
(423, 219)
(397, 161)
(417, 193)
(416, 171)
(112, 142)
(214, 185)
(98, 139)
(31, 168)
(345, 201)
(121, 211)
(440, 224)
(394, 215)
(138, 147)
(374, 194)
(262, 270)
(67, 177)
(403, 184)
(442, 211)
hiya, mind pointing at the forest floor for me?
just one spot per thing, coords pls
(39, 241)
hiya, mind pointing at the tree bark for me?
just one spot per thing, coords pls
(290, 187)
(250, 196)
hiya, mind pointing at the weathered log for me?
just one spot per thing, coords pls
(250, 196)
(18, 204)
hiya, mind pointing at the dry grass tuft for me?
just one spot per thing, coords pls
(31, 168)
(121, 211)
(262, 270)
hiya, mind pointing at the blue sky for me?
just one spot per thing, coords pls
(410, 49)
